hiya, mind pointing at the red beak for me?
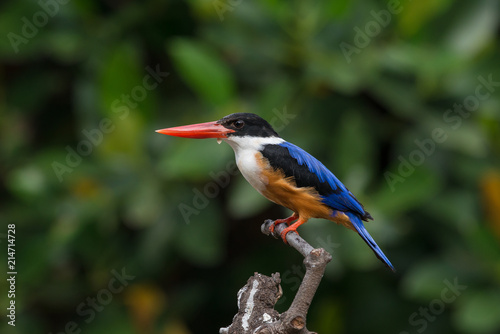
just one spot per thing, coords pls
(198, 131)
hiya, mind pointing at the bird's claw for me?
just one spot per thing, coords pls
(286, 231)
(282, 234)
(273, 227)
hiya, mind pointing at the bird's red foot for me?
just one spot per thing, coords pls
(285, 232)
(291, 228)
(280, 221)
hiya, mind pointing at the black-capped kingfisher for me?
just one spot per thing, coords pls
(285, 174)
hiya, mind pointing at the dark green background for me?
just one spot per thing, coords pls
(115, 205)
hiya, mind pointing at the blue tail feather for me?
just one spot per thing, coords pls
(360, 228)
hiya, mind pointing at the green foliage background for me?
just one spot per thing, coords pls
(120, 207)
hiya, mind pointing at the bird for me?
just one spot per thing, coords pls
(285, 174)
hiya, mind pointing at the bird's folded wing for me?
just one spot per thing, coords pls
(310, 172)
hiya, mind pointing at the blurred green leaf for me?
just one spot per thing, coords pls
(120, 98)
(414, 15)
(200, 239)
(426, 280)
(338, 8)
(446, 208)
(28, 182)
(354, 134)
(203, 70)
(474, 29)
(144, 205)
(194, 159)
(398, 195)
(122, 139)
(469, 139)
(478, 311)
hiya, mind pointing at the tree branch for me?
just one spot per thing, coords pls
(256, 300)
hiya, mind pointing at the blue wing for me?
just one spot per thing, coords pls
(335, 195)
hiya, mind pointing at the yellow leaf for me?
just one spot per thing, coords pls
(145, 302)
(176, 327)
(490, 187)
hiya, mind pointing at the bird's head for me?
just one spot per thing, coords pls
(228, 128)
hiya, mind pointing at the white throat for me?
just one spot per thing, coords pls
(251, 143)
(245, 150)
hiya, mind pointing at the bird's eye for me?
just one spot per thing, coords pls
(238, 124)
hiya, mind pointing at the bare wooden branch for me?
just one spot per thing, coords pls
(256, 300)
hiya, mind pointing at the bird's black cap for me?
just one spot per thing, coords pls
(247, 124)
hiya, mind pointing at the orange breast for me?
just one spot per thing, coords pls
(283, 191)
